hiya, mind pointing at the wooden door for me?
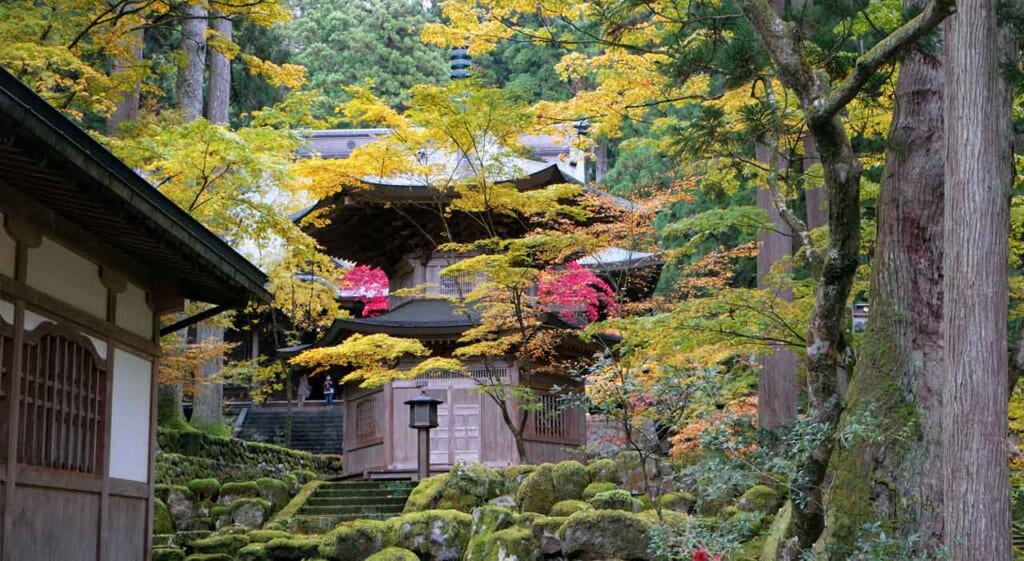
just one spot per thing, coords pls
(457, 436)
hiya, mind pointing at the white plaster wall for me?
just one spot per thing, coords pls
(7, 312)
(7, 251)
(34, 320)
(133, 312)
(129, 430)
(67, 276)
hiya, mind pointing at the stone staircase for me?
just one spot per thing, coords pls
(339, 501)
(314, 429)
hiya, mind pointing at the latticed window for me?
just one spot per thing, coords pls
(458, 285)
(63, 394)
(366, 419)
(481, 374)
(550, 417)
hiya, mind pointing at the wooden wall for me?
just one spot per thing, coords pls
(58, 498)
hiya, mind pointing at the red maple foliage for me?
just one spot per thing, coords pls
(572, 290)
(369, 285)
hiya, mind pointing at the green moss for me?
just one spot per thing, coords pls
(353, 541)
(264, 536)
(668, 518)
(439, 535)
(679, 502)
(512, 544)
(545, 530)
(210, 557)
(517, 473)
(590, 491)
(393, 554)
(232, 491)
(436, 493)
(162, 521)
(252, 552)
(760, 498)
(777, 533)
(570, 478)
(603, 471)
(537, 492)
(229, 544)
(163, 492)
(275, 491)
(568, 507)
(291, 549)
(205, 489)
(490, 518)
(280, 520)
(477, 480)
(606, 534)
(304, 476)
(167, 554)
(615, 500)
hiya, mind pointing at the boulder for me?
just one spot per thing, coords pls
(603, 471)
(435, 493)
(760, 498)
(616, 500)
(204, 489)
(291, 549)
(537, 492)
(231, 492)
(606, 535)
(678, 502)
(252, 552)
(489, 518)
(570, 478)
(434, 535)
(569, 507)
(507, 501)
(275, 491)
(597, 487)
(511, 544)
(393, 554)
(478, 480)
(251, 513)
(353, 541)
(229, 544)
(545, 531)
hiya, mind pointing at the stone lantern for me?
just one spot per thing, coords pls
(423, 417)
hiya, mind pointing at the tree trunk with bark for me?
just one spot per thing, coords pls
(815, 197)
(209, 395)
(128, 108)
(978, 180)
(219, 102)
(897, 383)
(190, 74)
(777, 388)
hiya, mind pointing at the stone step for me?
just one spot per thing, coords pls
(349, 485)
(357, 501)
(350, 509)
(367, 494)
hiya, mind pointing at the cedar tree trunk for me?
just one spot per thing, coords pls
(190, 75)
(219, 101)
(206, 403)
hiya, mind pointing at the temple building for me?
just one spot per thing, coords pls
(385, 224)
(91, 255)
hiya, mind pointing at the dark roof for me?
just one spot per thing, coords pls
(56, 164)
(414, 317)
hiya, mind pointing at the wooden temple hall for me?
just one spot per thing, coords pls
(90, 255)
(383, 226)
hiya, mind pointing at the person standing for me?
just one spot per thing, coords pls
(329, 391)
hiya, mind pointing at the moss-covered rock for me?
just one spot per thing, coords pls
(505, 501)
(603, 471)
(210, 557)
(515, 474)
(435, 493)
(668, 518)
(537, 492)
(204, 489)
(229, 544)
(291, 549)
(569, 507)
(616, 500)
(353, 541)
(777, 533)
(511, 544)
(437, 535)
(760, 498)
(304, 476)
(678, 502)
(251, 513)
(570, 480)
(252, 552)
(590, 491)
(231, 492)
(162, 521)
(264, 536)
(546, 532)
(478, 480)
(489, 518)
(167, 554)
(276, 491)
(393, 554)
(606, 535)
(284, 517)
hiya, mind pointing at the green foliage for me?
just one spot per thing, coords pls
(377, 41)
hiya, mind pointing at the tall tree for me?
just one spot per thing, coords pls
(219, 103)
(898, 378)
(193, 68)
(978, 179)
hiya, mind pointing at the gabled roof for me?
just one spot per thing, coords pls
(414, 317)
(49, 160)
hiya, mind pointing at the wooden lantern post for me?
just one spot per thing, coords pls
(423, 417)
